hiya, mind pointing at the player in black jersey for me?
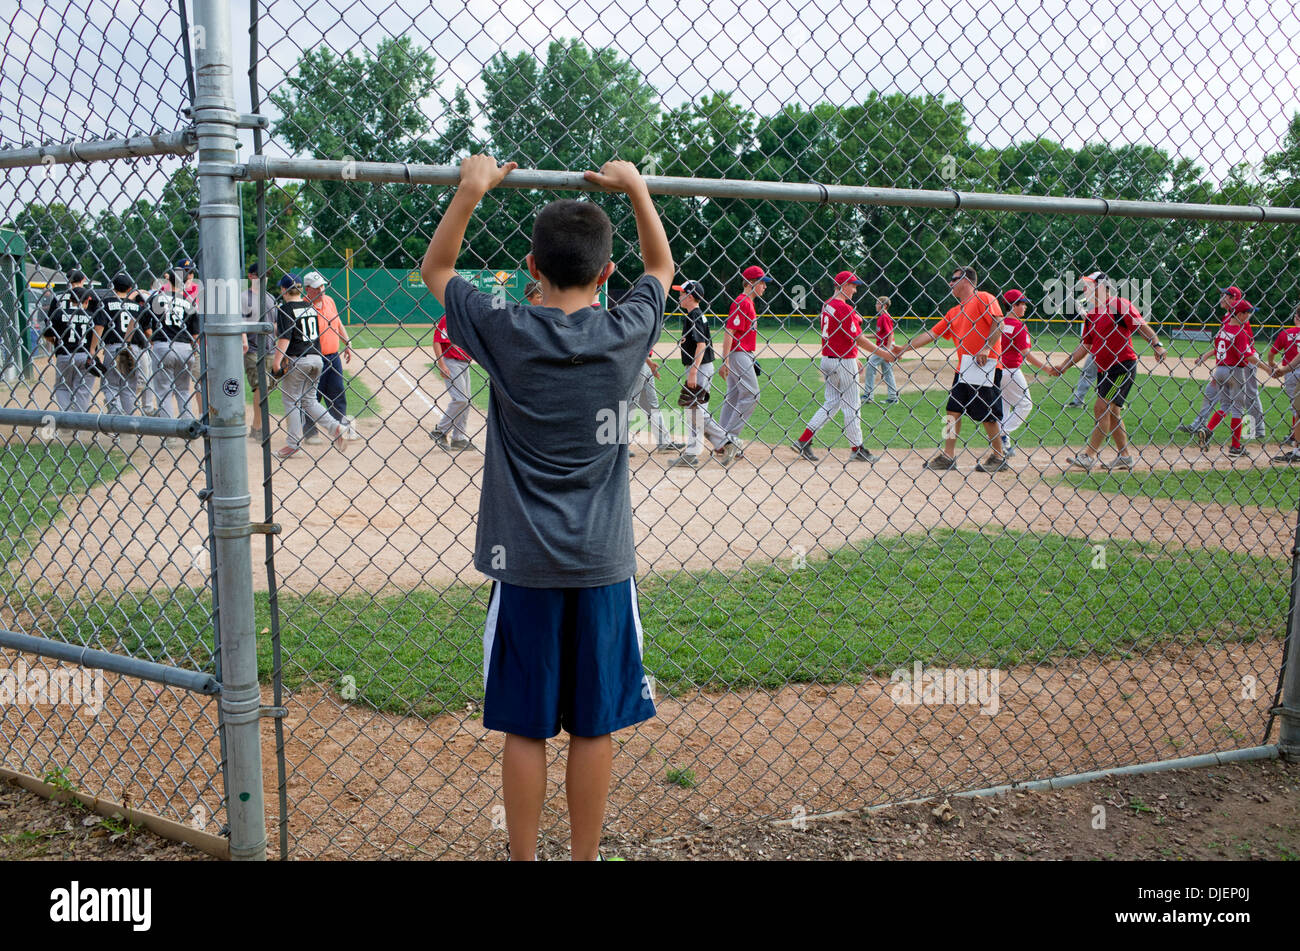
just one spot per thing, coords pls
(298, 358)
(172, 322)
(69, 319)
(119, 326)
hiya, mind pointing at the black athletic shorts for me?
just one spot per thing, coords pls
(981, 403)
(1113, 384)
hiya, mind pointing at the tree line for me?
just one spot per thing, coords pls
(578, 106)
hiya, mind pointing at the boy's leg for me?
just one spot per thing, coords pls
(891, 386)
(869, 376)
(586, 786)
(311, 404)
(291, 392)
(523, 787)
(1087, 379)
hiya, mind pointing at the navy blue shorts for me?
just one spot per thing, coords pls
(564, 658)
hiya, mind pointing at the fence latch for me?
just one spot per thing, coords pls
(274, 713)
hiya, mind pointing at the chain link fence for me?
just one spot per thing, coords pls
(823, 630)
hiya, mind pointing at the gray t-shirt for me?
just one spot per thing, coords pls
(555, 509)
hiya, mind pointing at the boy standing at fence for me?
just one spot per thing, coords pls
(562, 643)
(841, 336)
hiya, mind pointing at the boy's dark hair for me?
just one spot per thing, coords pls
(572, 241)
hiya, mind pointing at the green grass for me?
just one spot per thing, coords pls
(871, 607)
(1272, 487)
(361, 401)
(36, 478)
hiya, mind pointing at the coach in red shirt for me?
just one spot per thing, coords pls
(1108, 330)
(738, 345)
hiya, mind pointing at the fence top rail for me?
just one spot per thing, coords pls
(182, 142)
(262, 168)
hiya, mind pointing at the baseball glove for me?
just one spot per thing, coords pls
(95, 367)
(692, 396)
(125, 361)
(277, 373)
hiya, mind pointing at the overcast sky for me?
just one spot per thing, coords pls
(1208, 84)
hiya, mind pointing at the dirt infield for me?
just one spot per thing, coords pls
(395, 512)
(362, 783)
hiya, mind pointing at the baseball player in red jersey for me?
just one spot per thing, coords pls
(1234, 349)
(1287, 343)
(453, 367)
(738, 346)
(884, 342)
(1016, 351)
(841, 337)
(1229, 298)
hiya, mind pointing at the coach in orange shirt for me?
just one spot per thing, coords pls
(333, 391)
(975, 326)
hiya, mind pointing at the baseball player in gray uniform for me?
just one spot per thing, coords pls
(1230, 299)
(173, 326)
(645, 396)
(119, 326)
(453, 366)
(298, 362)
(68, 328)
(697, 358)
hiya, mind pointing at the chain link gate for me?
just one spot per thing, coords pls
(822, 635)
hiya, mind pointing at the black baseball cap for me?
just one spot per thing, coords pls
(122, 282)
(75, 276)
(252, 269)
(694, 288)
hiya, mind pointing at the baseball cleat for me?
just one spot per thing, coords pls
(313, 440)
(286, 452)
(1082, 461)
(728, 452)
(1074, 404)
(685, 461)
(1202, 437)
(462, 445)
(670, 447)
(1186, 428)
(1236, 451)
(892, 400)
(861, 455)
(993, 464)
(941, 463)
(1291, 455)
(1008, 449)
(440, 440)
(1120, 462)
(804, 449)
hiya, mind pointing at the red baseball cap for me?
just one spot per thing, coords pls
(847, 277)
(1242, 307)
(1015, 297)
(754, 273)
(1234, 292)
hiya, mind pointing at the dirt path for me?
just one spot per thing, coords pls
(394, 512)
(362, 783)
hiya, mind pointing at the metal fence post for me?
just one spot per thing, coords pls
(1288, 704)
(216, 121)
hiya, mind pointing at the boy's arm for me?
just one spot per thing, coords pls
(655, 254)
(479, 174)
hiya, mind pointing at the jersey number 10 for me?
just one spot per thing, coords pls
(307, 327)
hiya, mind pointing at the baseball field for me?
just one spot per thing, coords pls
(780, 598)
